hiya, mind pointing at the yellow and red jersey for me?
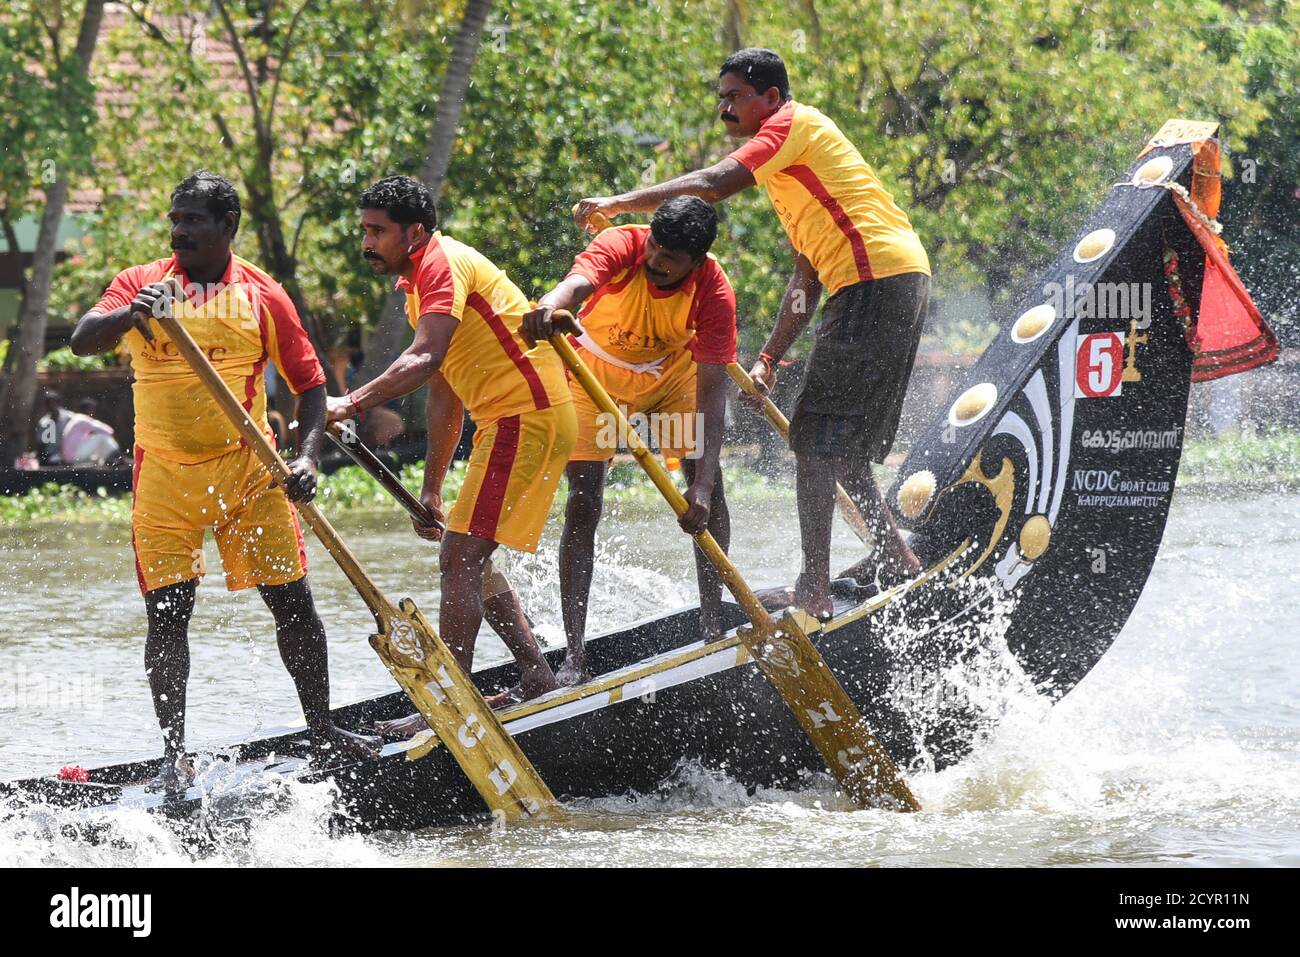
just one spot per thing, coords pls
(831, 203)
(488, 363)
(634, 320)
(240, 322)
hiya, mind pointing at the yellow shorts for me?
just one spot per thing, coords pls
(669, 397)
(512, 477)
(255, 527)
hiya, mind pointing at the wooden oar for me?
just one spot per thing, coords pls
(848, 509)
(351, 445)
(406, 642)
(494, 581)
(782, 648)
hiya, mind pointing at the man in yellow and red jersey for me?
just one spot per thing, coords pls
(192, 471)
(852, 240)
(659, 327)
(466, 314)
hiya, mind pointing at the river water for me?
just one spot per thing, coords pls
(1182, 747)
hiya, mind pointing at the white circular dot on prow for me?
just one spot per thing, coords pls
(1095, 245)
(1153, 171)
(1033, 323)
(973, 404)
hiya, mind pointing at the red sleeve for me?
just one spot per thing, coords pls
(287, 341)
(769, 139)
(715, 320)
(121, 291)
(434, 283)
(613, 251)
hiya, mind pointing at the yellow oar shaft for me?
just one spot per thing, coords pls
(407, 644)
(848, 508)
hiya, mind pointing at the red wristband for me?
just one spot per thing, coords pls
(356, 406)
(767, 360)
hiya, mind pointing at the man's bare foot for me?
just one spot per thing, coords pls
(400, 729)
(504, 699)
(573, 671)
(524, 691)
(853, 590)
(333, 745)
(815, 601)
(776, 599)
(175, 776)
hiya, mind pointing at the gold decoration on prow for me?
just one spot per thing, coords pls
(973, 403)
(1002, 487)
(1153, 171)
(1035, 536)
(1131, 342)
(1033, 323)
(915, 494)
(1095, 245)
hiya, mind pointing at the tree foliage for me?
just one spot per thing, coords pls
(996, 123)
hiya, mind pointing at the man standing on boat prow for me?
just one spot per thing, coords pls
(850, 238)
(659, 329)
(192, 471)
(466, 314)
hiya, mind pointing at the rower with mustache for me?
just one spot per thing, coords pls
(659, 329)
(467, 348)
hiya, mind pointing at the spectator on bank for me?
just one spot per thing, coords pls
(74, 438)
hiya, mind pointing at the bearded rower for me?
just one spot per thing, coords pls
(192, 472)
(850, 238)
(468, 349)
(659, 327)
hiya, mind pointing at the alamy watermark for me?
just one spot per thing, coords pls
(678, 432)
(75, 910)
(23, 690)
(1100, 300)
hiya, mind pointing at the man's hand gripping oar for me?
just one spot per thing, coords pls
(782, 649)
(406, 642)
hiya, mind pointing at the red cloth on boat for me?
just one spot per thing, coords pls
(1229, 335)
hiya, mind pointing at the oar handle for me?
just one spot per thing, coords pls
(747, 385)
(376, 468)
(599, 222)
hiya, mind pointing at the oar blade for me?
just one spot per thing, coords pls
(784, 653)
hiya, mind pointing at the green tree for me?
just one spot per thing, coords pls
(995, 124)
(391, 324)
(51, 121)
(294, 102)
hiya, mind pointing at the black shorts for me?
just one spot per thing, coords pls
(857, 375)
